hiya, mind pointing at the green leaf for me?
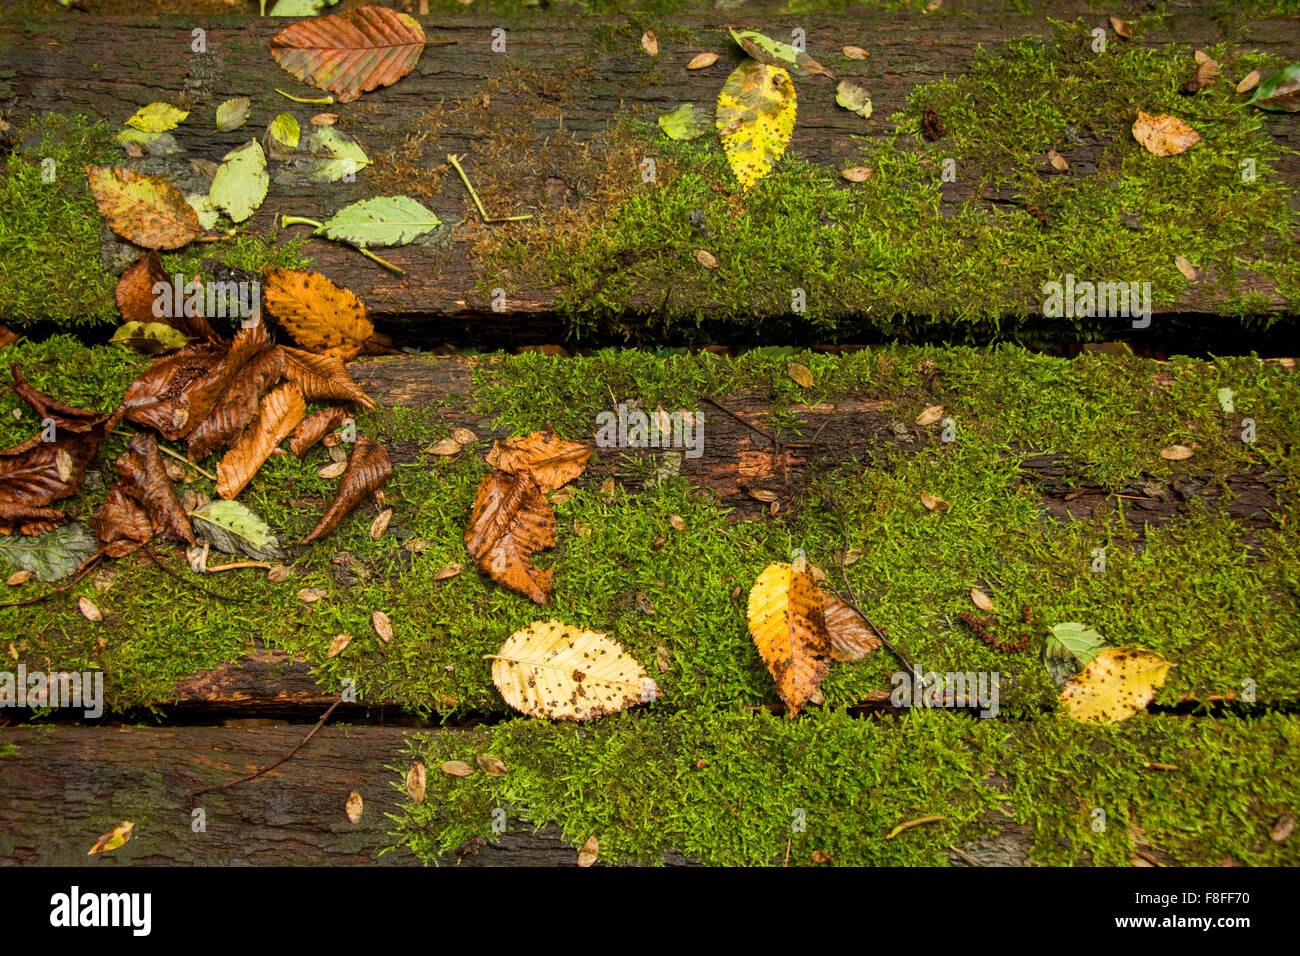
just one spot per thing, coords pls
(854, 98)
(775, 53)
(1075, 640)
(232, 113)
(1281, 91)
(155, 144)
(285, 129)
(1226, 400)
(157, 118)
(52, 556)
(345, 155)
(151, 338)
(234, 529)
(686, 122)
(300, 8)
(202, 205)
(382, 221)
(241, 182)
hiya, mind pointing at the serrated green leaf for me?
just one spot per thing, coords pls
(52, 556)
(756, 114)
(232, 113)
(300, 8)
(231, 527)
(241, 182)
(686, 122)
(1227, 400)
(157, 118)
(775, 53)
(285, 129)
(155, 144)
(151, 338)
(1281, 91)
(382, 221)
(203, 207)
(1074, 640)
(345, 155)
(853, 98)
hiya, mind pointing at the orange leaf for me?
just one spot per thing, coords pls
(322, 378)
(316, 427)
(850, 636)
(788, 625)
(113, 838)
(278, 415)
(322, 317)
(1164, 135)
(350, 53)
(553, 461)
(147, 210)
(512, 519)
(368, 470)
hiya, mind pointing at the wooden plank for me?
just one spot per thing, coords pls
(108, 66)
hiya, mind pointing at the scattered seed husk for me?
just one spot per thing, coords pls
(311, 595)
(448, 571)
(88, 610)
(933, 502)
(1176, 453)
(981, 600)
(456, 768)
(380, 524)
(706, 259)
(490, 765)
(702, 60)
(415, 783)
(338, 645)
(354, 807)
(929, 415)
(333, 469)
(383, 626)
(448, 446)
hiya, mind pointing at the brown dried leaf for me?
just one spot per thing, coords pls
(315, 427)
(158, 397)
(851, 638)
(702, 60)
(354, 807)
(415, 783)
(456, 768)
(147, 210)
(1164, 135)
(322, 378)
(34, 473)
(383, 626)
(322, 317)
(278, 415)
(247, 371)
(338, 645)
(552, 461)
(589, 853)
(1206, 73)
(144, 481)
(65, 417)
(490, 765)
(368, 470)
(113, 838)
(1121, 27)
(350, 53)
(511, 520)
(800, 373)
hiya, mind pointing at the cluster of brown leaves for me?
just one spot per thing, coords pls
(800, 628)
(512, 519)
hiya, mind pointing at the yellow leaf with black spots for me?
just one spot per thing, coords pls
(755, 117)
(1116, 684)
(787, 620)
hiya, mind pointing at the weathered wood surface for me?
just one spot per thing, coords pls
(67, 785)
(109, 66)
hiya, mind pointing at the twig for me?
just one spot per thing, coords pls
(170, 454)
(265, 565)
(455, 162)
(86, 565)
(908, 824)
(257, 773)
(748, 424)
(190, 584)
(970, 860)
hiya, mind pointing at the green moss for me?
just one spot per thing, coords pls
(50, 230)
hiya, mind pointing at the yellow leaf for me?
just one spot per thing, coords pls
(147, 210)
(116, 835)
(1164, 135)
(552, 669)
(788, 625)
(157, 118)
(755, 117)
(802, 377)
(321, 316)
(1116, 684)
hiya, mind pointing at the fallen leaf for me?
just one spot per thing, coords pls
(820, 857)
(510, 521)
(380, 524)
(702, 60)
(354, 807)
(1116, 684)
(552, 461)
(774, 53)
(448, 571)
(929, 415)
(706, 259)
(490, 765)
(383, 626)
(325, 119)
(143, 479)
(380, 221)
(322, 317)
(1073, 640)
(931, 126)
(649, 43)
(340, 155)
(285, 131)
(350, 53)
(1186, 268)
(147, 210)
(232, 113)
(1206, 73)
(1248, 82)
(1176, 453)
(279, 413)
(856, 174)
(755, 116)
(589, 853)
(981, 600)
(17, 578)
(1164, 135)
(49, 557)
(151, 338)
(222, 405)
(933, 502)
(464, 436)
(311, 595)
(800, 373)
(315, 427)
(851, 637)
(415, 783)
(322, 378)
(157, 118)
(1057, 160)
(678, 522)
(554, 670)
(788, 625)
(1121, 27)
(854, 98)
(113, 838)
(1283, 828)
(687, 122)
(135, 295)
(338, 646)
(663, 659)
(762, 494)
(241, 182)
(446, 446)
(368, 470)
(332, 470)
(855, 53)
(456, 768)
(88, 610)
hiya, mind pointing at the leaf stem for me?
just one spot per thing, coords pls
(286, 221)
(383, 262)
(324, 101)
(455, 162)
